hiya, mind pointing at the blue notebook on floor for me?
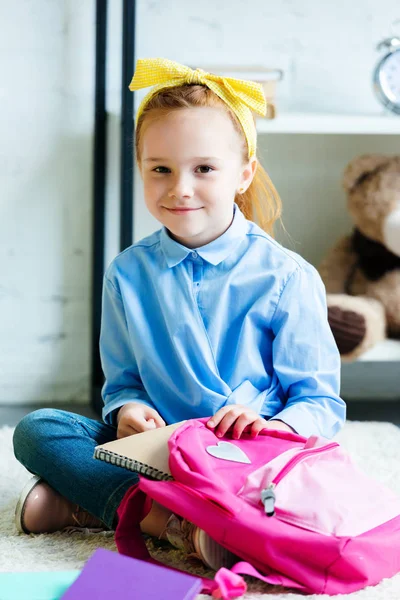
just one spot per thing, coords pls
(38, 585)
(109, 575)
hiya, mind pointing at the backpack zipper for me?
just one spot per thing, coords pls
(268, 495)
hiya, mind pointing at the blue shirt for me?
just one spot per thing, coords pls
(241, 320)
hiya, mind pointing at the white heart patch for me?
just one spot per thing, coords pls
(228, 451)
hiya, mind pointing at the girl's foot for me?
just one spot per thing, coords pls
(40, 509)
(194, 541)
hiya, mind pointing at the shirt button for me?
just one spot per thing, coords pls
(194, 254)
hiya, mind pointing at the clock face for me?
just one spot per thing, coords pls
(389, 77)
(387, 81)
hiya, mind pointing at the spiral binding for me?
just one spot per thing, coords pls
(131, 464)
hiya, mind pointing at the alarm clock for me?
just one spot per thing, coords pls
(387, 75)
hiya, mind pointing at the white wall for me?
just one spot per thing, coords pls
(46, 93)
(46, 123)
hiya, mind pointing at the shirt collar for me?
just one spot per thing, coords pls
(214, 252)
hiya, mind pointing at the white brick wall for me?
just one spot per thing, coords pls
(46, 124)
(327, 51)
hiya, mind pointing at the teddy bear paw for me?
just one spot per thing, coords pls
(348, 328)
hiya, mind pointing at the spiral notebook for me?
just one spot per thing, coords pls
(145, 453)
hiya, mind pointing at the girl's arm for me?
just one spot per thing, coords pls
(122, 380)
(305, 357)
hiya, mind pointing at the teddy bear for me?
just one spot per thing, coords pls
(361, 272)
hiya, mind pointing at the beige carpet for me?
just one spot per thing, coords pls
(375, 446)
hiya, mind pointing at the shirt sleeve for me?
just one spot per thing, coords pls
(122, 380)
(305, 357)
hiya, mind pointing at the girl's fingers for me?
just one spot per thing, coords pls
(152, 415)
(125, 431)
(242, 423)
(234, 415)
(135, 424)
(226, 423)
(149, 424)
(258, 426)
(219, 415)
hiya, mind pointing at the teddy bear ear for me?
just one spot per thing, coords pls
(361, 166)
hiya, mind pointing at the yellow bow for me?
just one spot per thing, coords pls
(240, 95)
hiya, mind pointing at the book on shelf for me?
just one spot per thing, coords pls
(253, 73)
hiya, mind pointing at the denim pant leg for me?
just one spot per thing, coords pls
(58, 446)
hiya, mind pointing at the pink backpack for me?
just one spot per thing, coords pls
(297, 511)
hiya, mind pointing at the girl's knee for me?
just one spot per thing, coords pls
(30, 431)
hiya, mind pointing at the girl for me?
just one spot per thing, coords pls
(208, 316)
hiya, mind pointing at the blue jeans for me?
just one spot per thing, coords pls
(58, 446)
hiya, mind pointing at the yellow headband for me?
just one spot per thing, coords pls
(240, 95)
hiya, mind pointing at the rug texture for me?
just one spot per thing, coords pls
(374, 446)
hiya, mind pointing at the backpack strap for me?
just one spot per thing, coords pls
(134, 507)
(273, 578)
(245, 568)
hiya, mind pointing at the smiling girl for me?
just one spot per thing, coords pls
(207, 317)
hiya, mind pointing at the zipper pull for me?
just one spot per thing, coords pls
(268, 500)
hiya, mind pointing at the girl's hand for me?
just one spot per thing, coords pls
(242, 418)
(135, 417)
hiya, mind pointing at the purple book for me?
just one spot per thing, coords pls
(108, 575)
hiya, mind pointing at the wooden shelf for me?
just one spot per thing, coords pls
(388, 351)
(314, 123)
